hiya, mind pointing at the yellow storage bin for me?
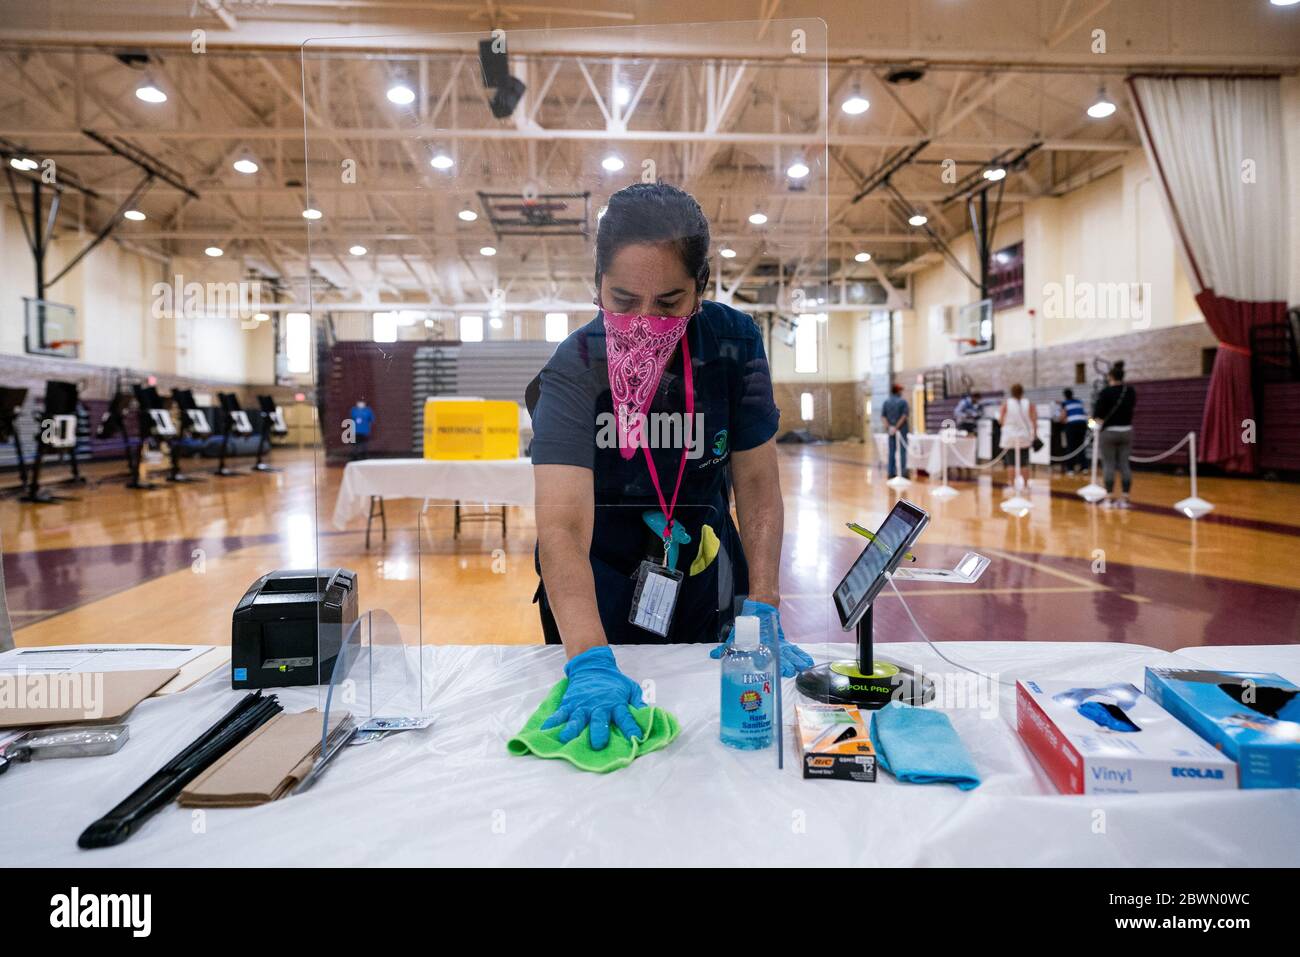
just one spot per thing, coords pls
(470, 429)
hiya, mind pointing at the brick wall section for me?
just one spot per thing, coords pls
(1170, 353)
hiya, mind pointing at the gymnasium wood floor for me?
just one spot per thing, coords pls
(169, 565)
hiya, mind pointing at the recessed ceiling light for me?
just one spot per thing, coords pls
(797, 170)
(622, 95)
(442, 161)
(246, 165)
(995, 173)
(401, 95)
(312, 213)
(468, 215)
(214, 251)
(918, 219)
(261, 317)
(612, 163)
(149, 93)
(357, 250)
(24, 163)
(862, 257)
(487, 251)
(726, 252)
(1103, 107)
(1284, 3)
(134, 215)
(758, 219)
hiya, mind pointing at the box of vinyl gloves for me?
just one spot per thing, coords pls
(1112, 739)
(834, 742)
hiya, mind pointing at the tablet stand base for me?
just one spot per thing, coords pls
(867, 682)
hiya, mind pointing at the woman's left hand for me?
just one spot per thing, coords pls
(793, 658)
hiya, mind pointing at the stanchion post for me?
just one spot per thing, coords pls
(1194, 506)
(1093, 493)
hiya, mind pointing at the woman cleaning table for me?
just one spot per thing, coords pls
(645, 421)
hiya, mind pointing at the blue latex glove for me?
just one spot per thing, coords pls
(598, 693)
(793, 658)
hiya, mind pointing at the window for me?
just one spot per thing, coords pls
(806, 406)
(557, 326)
(297, 342)
(805, 342)
(1007, 277)
(471, 328)
(385, 326)
(1080, 374)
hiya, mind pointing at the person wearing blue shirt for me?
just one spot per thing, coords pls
(363, 422)
(605, 496)
(1075, 419)
(894, 412)
(967, 413)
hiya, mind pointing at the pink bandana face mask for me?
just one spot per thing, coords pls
(637, 350)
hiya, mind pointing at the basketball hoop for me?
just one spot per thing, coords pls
(64, 348)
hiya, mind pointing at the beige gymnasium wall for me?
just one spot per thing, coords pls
(112, 290)
(1108, 234)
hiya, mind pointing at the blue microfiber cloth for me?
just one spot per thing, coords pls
(919, 745)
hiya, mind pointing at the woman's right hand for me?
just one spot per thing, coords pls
(598, 695)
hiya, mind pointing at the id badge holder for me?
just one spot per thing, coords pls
(655, 597)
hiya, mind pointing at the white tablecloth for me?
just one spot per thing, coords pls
(923, 451)
(452, 795)
(1279, 659)
(492, 482)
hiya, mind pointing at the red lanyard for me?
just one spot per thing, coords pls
(667, 507)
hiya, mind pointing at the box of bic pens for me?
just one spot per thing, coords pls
(834, 742)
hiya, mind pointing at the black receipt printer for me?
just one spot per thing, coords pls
(274, 636)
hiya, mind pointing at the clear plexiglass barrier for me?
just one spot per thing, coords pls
(445, 354)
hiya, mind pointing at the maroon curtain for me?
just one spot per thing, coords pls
(1231, 400)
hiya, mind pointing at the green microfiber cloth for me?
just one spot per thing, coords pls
(659, 727)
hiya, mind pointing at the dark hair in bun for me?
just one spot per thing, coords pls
(655, 213)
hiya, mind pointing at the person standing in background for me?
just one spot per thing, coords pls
(1075, 419)
(363, 422)
(1018, 432)
(1113, 411)
(895, 412)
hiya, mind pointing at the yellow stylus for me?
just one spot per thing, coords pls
(871, 537)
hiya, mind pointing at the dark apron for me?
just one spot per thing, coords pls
(623, 491)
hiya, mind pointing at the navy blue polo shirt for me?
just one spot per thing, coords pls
(573, 424)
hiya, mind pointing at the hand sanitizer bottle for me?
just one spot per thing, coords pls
(748, 675)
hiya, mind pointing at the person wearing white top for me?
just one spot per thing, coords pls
(1017, 419)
